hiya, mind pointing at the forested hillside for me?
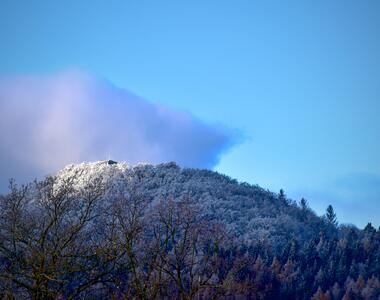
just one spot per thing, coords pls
(249, 212)
(107, 230)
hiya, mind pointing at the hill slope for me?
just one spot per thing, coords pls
(249, 212)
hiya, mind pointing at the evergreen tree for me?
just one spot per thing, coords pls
(304, 204)
(281, 195)
(336, 291)
(369, 229)
(331, 215)
(319, 295)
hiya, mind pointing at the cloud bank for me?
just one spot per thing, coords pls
(49, 122)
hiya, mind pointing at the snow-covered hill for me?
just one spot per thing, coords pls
(249, 212)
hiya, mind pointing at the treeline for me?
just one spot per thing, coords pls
(57, 242)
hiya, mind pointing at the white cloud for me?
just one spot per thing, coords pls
(48, 122)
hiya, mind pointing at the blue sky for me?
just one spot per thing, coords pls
(300, 80)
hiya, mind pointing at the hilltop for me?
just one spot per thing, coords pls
(249, 212)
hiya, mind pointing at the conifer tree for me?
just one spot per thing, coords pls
(331, 215)
(304, 204)
(281, 195)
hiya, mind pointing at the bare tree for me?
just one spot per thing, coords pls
(127, 228)
(50, 242)
(59, 241)
(188, 247)
(165, 250)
